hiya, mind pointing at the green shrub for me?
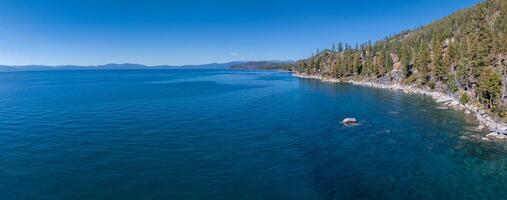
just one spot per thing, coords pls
(410, 79)
(464, 98)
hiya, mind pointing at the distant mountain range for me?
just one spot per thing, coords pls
(113, 66)
(249, 65)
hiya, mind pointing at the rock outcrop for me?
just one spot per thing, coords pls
(348, 121)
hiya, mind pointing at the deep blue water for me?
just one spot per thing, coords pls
(211, 134)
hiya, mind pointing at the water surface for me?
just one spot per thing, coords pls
(214, 134)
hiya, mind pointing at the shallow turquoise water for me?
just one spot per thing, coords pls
(212, 134)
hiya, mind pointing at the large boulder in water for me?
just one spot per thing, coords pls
(349, 121)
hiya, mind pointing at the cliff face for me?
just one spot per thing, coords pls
(463, 55)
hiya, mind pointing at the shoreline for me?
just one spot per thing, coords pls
(497, 129)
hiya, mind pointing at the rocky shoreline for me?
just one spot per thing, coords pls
(498, 129)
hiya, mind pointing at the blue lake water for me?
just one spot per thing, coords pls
(218, 134)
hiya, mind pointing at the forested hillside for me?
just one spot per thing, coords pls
(264, 65)
(464, 55)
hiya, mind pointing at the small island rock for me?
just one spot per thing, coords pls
(349, 121)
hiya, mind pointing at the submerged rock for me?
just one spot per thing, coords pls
(474, 129)
(442, 108)
(464, 137)
(441, 98)
(492, 135)
(394, 112)
(453, 103)
(496, 136)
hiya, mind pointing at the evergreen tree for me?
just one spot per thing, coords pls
(440, 70)
(388, 61)
(405, 59)
(489, 87)
(422, 63)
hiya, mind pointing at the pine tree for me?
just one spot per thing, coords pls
(388, 61)
(405, 59)
(489, 87)
(357, 64)
(440, 70)
(422, 63)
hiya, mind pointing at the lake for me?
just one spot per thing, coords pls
(221, 134)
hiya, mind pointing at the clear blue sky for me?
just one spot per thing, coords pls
(152, 32)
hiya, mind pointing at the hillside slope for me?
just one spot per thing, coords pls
(463, 55)
(264, 65)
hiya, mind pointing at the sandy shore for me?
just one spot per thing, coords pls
(498, 129)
